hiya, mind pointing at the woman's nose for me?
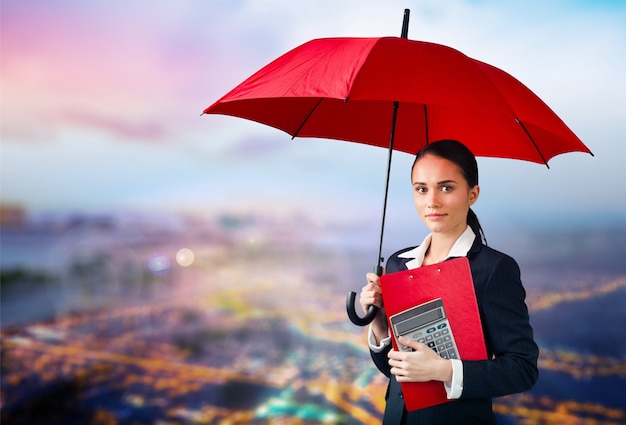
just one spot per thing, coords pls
(433, 200)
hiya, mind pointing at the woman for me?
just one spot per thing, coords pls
(445, 185)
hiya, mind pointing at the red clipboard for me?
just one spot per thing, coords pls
(452, 282)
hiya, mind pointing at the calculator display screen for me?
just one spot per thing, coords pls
(419, 321)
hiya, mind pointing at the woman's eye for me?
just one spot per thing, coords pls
(446, 188)
(420, 189)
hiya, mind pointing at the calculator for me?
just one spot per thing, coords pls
(426, 323)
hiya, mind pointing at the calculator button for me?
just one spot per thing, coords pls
(429, 338)
(437, 334)
(441, 326)
(452, 354)
(448, 344)
(431, 330)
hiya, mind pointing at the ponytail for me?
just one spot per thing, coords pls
(472, 220)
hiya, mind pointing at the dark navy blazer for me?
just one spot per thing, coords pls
(512, 353)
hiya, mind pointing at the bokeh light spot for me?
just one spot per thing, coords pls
(185, 257)
(159, 264)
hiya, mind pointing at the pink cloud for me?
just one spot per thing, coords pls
(120, 127)
(121, 67)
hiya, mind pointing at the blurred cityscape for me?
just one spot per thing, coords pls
(240, 319)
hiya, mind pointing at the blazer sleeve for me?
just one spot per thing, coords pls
(382, 361)
(512, 351)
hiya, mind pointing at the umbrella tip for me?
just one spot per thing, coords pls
(405, 24)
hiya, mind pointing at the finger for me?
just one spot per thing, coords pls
(370, 298)
(397, 355)
(373, 293)
(371, 289)
(374, 287)
(366, 302)
(373, 278)
(401, 374)
(398, 364)
(370, 295)
(411, 343)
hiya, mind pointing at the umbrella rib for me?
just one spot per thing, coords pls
(426, 121)
(533, 141)
(306, 118)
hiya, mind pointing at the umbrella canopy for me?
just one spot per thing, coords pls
(345, 88)
(401, 94)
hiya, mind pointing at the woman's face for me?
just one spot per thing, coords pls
(441, 195)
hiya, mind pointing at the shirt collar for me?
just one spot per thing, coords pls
(460, 249)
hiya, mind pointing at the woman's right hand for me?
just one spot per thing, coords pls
(371, 294)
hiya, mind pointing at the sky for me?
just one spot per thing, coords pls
(101, 105)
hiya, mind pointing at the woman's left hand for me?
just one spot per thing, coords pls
(420, 365)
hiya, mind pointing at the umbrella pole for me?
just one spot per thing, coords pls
(351, 298)
(378, 269)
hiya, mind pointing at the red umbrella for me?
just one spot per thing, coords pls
(401, 94)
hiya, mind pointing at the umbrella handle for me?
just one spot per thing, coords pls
(372, 311)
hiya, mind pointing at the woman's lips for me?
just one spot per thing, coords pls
(435, 216)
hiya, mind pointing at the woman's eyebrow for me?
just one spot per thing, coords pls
(442, 182)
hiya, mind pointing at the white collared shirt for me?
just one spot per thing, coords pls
(461, 247)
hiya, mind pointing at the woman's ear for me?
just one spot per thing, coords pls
(473, 194)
